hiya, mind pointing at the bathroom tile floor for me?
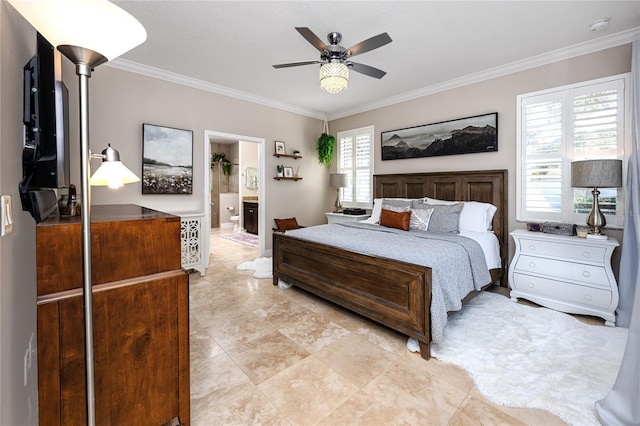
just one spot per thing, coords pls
(264, 355)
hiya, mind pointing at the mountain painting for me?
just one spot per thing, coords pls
(461, 136)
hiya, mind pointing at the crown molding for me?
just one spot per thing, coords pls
(126, 65)
(533, 62)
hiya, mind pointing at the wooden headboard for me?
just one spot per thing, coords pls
(488, 186)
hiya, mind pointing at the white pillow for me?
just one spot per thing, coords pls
(475, 216)
(377, 208)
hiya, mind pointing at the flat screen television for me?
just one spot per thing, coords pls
(45, 151)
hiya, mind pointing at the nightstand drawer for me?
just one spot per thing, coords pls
(560, 269)
(564, 250)
(557, 290)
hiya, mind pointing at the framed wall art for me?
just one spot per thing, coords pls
(167, 160)
(461, 136)
(279, 148)
(288, 172)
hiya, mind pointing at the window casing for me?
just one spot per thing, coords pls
(582, 121)
(355, 158)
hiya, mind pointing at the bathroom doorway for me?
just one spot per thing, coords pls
(240, 179)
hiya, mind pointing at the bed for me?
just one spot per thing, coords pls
(394, 293)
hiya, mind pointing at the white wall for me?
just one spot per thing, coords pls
(18, 404)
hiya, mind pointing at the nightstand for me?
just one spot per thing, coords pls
(568, 274)
(341, 217)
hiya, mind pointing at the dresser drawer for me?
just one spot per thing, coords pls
(557, 290)
(564, 250)
(563, 270)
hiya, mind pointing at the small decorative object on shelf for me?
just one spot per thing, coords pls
(296, 153)
(280, 148)
(295, 174)
(280, 170)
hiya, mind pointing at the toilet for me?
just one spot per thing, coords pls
(236, 222)
(235, 218)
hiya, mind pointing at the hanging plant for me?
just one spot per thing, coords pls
(220, 158)
(325, 146)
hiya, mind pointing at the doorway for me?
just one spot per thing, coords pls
(218, 140)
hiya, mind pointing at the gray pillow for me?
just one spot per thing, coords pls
(445, 217)
(397, 202)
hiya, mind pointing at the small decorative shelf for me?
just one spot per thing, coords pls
(287, 178)
(295, 157)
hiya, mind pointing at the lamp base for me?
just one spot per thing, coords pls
(596, 237)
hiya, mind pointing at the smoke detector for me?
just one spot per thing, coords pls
(599, 25)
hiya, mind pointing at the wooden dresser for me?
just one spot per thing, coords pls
(140, 318)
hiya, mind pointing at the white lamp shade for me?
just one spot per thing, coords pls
(334, 77)
(113, 174)
(97, 25)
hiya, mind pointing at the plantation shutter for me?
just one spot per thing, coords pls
(355, 152)
(556, 127)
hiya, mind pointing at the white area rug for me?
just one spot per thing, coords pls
(261, 265)
(522, 356)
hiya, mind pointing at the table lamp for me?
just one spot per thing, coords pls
(338, 180)
(596, 174)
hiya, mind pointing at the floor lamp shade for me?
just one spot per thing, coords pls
(97, 25)
(596, 174)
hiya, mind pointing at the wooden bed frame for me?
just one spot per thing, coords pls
(393, 293)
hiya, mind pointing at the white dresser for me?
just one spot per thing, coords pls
(568, 274)
(341, 217)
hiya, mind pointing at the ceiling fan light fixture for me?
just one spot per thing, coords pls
(334, 77)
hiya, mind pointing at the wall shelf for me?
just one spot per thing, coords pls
(295, 157)
(287, 178)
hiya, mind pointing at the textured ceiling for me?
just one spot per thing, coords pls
(230, 46)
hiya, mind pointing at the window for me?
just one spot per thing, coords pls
(570, 123)
(355, 158)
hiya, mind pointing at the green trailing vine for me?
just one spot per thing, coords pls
(325, 147)
(225, 163)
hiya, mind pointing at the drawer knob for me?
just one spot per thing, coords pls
(587, 297)
(587, 254)
(532, 264)
(530, 284)
(532, 247)
(586, 274)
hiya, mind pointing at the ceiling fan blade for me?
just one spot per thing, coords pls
(366, 70)
(370, 44)
(295, 64)
(312, 38)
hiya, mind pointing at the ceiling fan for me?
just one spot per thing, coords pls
(335, 59)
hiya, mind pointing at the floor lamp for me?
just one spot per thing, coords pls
(89, 33)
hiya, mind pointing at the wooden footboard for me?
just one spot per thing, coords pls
(393, 293)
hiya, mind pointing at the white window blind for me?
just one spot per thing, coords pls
(355, 158)
(558, 126)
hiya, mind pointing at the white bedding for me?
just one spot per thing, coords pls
(490, 246)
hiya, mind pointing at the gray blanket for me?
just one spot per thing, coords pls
(458, 264)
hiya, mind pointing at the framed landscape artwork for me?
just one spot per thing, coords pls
(167, 160)
(462, 136)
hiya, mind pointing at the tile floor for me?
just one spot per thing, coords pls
(269, 356)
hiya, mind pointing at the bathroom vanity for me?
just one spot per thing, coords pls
(250, 217)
